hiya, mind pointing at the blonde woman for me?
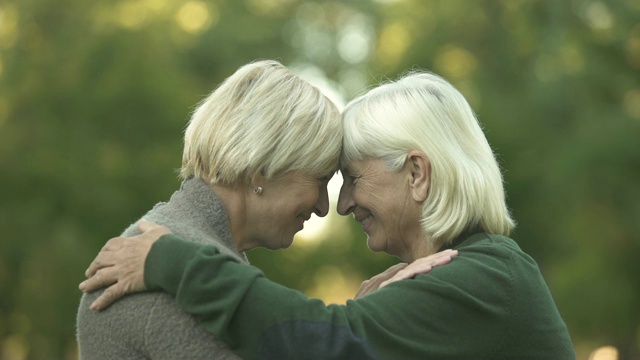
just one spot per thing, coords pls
(258, 153)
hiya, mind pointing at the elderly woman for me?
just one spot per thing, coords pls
(258, 154)
(420, 176)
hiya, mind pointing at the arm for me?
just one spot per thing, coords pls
(433, 316)
(256, 316)
(215, 306)
(253, 315)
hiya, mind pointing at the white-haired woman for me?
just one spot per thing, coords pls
(420, 176)
(258, 153)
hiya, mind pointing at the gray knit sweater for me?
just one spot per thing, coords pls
(149, 325)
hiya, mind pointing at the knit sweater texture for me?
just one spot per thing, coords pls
(149, 325)
(490, 302)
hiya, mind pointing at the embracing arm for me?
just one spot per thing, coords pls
(464, 310)
(252, 314)
(256, 316)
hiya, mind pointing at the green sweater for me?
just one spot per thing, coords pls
(490, 302)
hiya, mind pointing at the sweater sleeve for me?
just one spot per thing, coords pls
(262, 319)
(256, 317)
(443, 314)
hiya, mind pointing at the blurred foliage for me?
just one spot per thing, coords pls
(94, 96)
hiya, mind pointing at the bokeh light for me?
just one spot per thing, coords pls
(197, 16)
(356, 39)
(9, 17)
(4, 110)
(604, 353)
(632, 47)
(393, 41)
(597, 15)
(269, 7)
(15, 347)
(631, 103)
(455, 62)
(132, 14)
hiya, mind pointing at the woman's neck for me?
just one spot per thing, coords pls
(233, 199)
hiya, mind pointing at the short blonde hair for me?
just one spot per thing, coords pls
(422, 111)
(262, 119)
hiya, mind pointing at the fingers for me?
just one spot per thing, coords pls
(114, 244)
(120, 283)
(392, 270)
(422, 266)
(150, 233)
(408, 273)
(101, 261)
(437, 259)
(443, 253)
(107, 298)
(144, 225)
(101, 278)
(147, 226)
(120, 265)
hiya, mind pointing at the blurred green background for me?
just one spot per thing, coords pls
(94, 97)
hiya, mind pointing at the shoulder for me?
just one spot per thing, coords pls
(495, 250)
(144, 323)
(487, 243)
(488, 268)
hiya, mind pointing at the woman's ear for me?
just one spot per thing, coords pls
(420, 179)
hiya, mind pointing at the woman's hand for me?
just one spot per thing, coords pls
(406, 271)
(120, 265)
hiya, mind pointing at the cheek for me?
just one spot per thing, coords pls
(314, 195)
(303, 201)
(371, 199)
(363, 195)
(311, 197)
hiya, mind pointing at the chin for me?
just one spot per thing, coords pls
(375, 247)
(285, 246)
(282, 244)
(286, 243)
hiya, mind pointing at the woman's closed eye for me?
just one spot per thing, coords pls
(325, 179)
(352, 179)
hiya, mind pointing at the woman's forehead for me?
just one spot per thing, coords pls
(357, 166)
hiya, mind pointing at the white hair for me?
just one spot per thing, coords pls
(422, 111)
(262, 119)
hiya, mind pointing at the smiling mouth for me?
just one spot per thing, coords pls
(365, 221)
(302, 221)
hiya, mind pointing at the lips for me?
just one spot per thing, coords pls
(365, 220)
(302, 219)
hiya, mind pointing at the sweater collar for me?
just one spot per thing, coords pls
(464, 236)
(203, 210)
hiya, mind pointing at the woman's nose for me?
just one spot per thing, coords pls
(322, 205)
(345, 200)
